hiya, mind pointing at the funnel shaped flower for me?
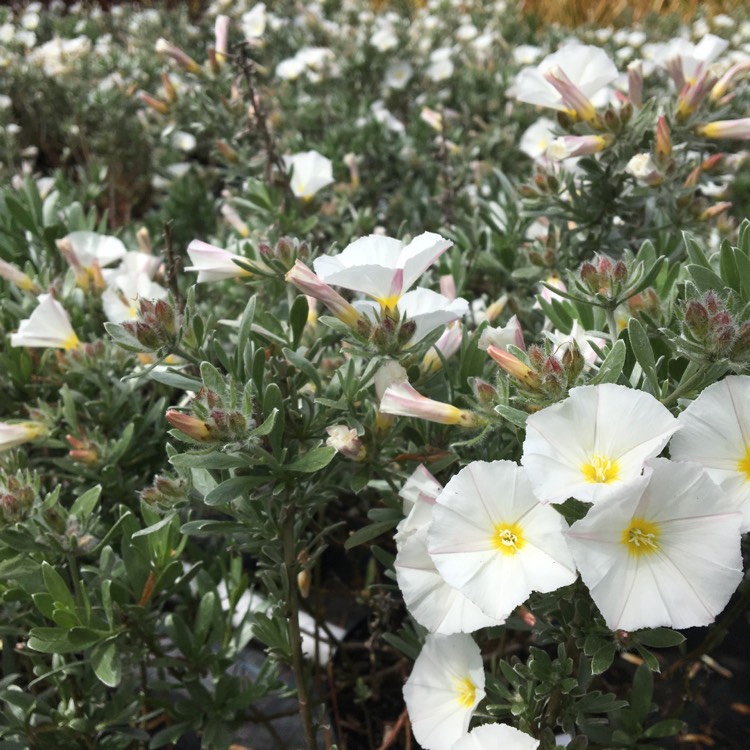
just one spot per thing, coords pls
(715, 433)
(666, 552)
(594, 442)
(430, 600)
(494, 736)
(381, 267)
(428, 310)
(444, 688)
(85, 248)
(311, 172)
(492, 540)
(587, 68)
(13, 434)
(214, 263)
(48, 326)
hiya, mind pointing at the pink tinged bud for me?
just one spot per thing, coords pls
(713, 211)
(164, 47)
(513, 366)
(346, 442)
(188, 424)
(351, 162)
(577, 145)
(446, 346)
(221, 32)
(448, 287)
(156, 104)
(227, 152)
(644, 169)
(663, 146)
(736, 129)
(16, 276)
(404, 401)
(214, 263)
(233, 219)
(309, 283)
(572, 97)
(692, 94)
(170, 92)
(722, 85)
(635, 83)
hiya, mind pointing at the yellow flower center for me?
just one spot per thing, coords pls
(743, 465)
(600, 470)
(72, 342)
(641, 537)
(508, 538)
(389, 303)
(466, 692)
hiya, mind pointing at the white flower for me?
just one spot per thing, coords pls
(398, 75)
(13, 434)
(537, 137)
(503, 336)
(430, 600)
(428, 310)
(588, 69)
(644, 168)
(444, 688)
(48, 326)
(381, 267)
(214, 263)
(666, 552)
(495, 736)
(311, 172)
(384, 39)
(494, 541)
(594, 442)
(88, 247)
(715, 433)
(120, 300)
(254, 22)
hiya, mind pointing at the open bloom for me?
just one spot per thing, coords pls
(666, 552)
(430, 600)
(567, 79)
(381, 267)
(48, 326)
(494, 736)
(594, 442)
(494, 541)
(715, 433)
(214, 263)
(311, 172)
(444, 688)
(13, 434)
(426, 309)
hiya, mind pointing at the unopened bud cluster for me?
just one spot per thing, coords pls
(212, 421)
(709, 326)
(17, 496)
(165, 493)
(604, 276)
(284, 253)
(390, 335)
(157, 326)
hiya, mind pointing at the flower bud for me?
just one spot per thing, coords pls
(189, 425)
(346, 442)
(485, 393)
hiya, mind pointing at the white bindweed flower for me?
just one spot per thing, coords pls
(398, 75)
(495, 736)
(120, 300)
(444, 688)
(430, 600)
(17, 433)
(585, 68)
(82, 249)
(426, 309)
(381, 267)
(214, 263)
(311, 172)
(494, 541)
(48, 326)
(502, 336)
(594, 442)
(666, 552)
(537, 138)
(715, 433)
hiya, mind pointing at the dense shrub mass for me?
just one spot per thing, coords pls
(388, 359)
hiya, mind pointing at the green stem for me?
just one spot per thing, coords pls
(612, 324)
(185, 355)
(295, 637)
(77, 586)
(684, 387)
